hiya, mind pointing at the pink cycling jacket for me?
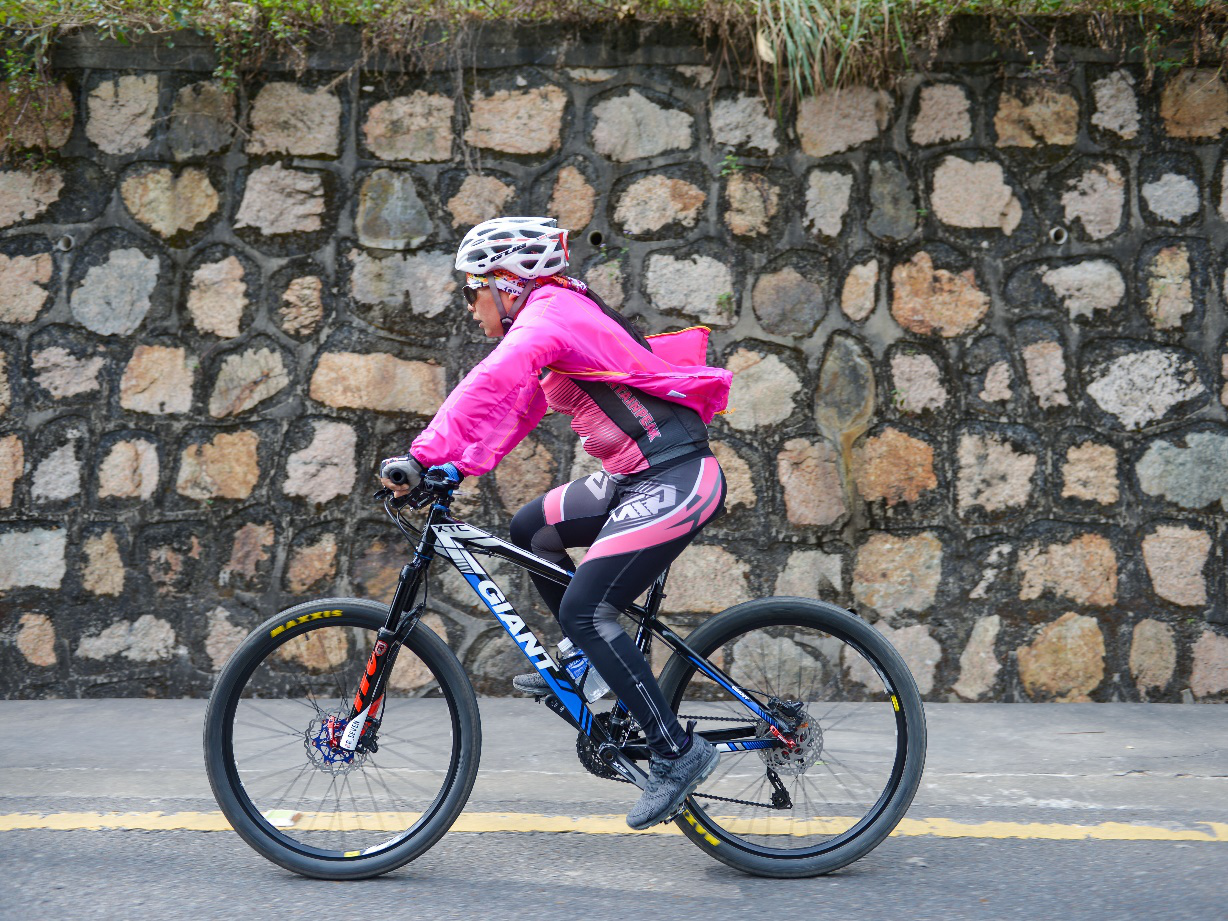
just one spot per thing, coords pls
(501, 400)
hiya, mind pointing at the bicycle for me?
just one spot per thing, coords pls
(337, 770)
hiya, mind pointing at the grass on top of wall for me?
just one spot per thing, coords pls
(789, 47)
(807, 44)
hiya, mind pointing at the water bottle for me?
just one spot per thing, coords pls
(582, 672)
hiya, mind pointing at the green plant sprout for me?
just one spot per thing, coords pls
(730, 165)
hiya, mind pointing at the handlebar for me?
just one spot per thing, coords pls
(433, 487)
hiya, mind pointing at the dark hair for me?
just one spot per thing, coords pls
(617, 318)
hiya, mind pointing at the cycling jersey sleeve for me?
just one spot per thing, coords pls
(498, 402)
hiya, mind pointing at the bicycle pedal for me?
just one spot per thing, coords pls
(676, 814)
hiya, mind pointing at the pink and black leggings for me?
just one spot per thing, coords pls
(634, 526)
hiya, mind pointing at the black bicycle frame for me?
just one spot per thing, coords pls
(460, 543)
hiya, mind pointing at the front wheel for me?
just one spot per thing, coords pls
(860, 738)
(308, 805)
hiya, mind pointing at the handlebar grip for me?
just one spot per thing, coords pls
(403, 473)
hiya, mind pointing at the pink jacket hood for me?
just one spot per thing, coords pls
(500, 400)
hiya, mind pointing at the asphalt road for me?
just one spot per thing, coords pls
(198, 875)
(1048, 772)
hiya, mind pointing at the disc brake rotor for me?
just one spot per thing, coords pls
(793, 761)
(322, 740)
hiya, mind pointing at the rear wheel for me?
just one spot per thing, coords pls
(860, 744)
(304, 803)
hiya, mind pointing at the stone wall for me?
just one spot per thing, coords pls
(976, 323)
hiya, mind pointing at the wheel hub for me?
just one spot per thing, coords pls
(806, 750)
(322, 740)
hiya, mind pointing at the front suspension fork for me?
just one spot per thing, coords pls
(369, 699)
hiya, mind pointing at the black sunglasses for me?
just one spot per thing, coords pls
(471, 293)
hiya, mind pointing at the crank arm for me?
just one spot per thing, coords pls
(630, 771)
(617, 759)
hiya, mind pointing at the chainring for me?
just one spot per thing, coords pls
(586, 751)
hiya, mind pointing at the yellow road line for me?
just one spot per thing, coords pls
(616, 825)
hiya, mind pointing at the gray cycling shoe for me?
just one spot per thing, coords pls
(671, 781)
(532, 683)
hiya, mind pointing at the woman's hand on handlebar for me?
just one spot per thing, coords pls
(401, 474)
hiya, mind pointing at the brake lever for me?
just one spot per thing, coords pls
(396, 502)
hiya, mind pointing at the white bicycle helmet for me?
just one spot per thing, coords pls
(526, 246)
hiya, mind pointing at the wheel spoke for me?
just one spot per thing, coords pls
(291, 730)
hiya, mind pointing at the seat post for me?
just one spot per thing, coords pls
(656, 594)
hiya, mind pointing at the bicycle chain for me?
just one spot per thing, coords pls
(713, 796)
(740, 802)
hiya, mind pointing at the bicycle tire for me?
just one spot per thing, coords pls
(279, 666)
(868, 712)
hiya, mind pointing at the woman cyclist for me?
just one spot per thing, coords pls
(641, 408)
